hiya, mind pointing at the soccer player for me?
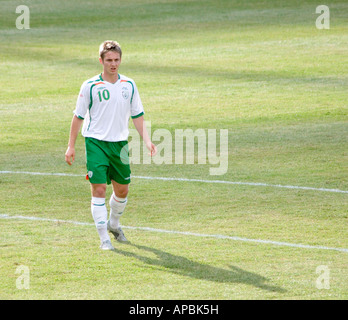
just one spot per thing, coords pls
(104, 105)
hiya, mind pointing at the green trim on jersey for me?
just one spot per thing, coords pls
(90, 104)
(132, 89)
(101, 78)
(91, 97)
(139, 115)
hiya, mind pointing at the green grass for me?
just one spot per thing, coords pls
(260, 69)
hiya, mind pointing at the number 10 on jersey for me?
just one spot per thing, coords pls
(105, 95)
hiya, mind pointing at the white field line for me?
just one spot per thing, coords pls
(257, 184)
(216, 236)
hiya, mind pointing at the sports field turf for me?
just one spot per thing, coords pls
(260, 69)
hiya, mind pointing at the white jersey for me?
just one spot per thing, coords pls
(106, 108)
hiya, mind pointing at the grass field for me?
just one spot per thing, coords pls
(260, 69)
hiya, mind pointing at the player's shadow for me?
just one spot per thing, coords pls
(185, 267)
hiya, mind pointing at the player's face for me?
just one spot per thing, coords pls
(111, 62)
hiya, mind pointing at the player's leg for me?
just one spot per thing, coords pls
(118, 202)
(97, 166)
(119, 175)
(100, 214)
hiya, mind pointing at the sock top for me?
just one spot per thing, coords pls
(98, 201)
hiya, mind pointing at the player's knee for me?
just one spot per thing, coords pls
(98, 190)
(122, 191)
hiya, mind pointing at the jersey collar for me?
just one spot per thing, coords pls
(101, 78)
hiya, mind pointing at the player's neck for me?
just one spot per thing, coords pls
(110, 78)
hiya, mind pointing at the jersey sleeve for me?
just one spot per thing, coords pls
(83, 102)
(137, 109)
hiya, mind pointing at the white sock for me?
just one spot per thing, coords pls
(117, 206)
(100, 216)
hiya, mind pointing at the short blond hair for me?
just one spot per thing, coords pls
(109, 45)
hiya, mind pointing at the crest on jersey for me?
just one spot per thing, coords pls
(125, 93)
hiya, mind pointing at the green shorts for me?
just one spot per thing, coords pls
(107, 161)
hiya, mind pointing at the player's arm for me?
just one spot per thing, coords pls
(139, 124)
(74, 130)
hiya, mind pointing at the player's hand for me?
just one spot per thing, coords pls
(152, 148)
(70, 156)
